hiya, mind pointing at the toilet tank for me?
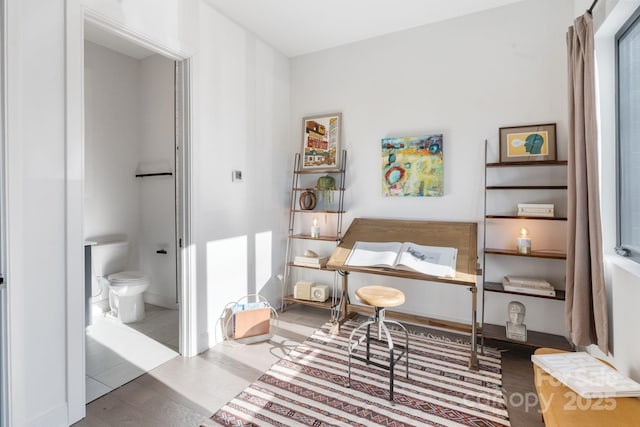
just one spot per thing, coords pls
(108, 257)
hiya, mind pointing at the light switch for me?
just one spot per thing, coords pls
(236, 176)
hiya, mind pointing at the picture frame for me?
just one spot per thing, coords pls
(528, 143)
(413, 166)
(321, 140)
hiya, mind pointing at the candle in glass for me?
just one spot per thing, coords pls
(524, 242)
(315, 229)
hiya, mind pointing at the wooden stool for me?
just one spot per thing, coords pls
(379, 297)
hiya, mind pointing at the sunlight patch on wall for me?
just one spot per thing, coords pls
(263, 258)
(226, 270)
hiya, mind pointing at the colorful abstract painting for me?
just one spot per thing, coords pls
(412, 166)
(321, 141)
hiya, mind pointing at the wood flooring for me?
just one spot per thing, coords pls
(185, 392)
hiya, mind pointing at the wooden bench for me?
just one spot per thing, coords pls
(563, 407)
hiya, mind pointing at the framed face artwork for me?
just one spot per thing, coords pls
(528, 143)
(321, 141)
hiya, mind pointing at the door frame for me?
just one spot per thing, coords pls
(4, 330)
(76, 16)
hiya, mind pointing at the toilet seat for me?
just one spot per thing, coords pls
(127, 277)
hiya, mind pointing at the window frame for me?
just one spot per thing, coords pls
(621, 249)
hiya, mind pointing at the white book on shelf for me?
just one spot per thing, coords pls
(586, 375)
(309, 265)
(526, 282)
(535, 209)
(531, 291)
(310, 261)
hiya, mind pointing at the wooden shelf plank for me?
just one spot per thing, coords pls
(497, 287)
(317, 171)
(308, 237)
(324, 268)
(526, 187)
(534, 254)
(528, 163)
(291, 300)
(314, 189)
(543, 218)
(534, 338)
(317, 211)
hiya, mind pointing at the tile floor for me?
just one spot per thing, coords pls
(117, 353)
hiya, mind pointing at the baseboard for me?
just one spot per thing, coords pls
(206, 340)
(161, 300)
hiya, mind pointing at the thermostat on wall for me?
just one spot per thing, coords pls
(236, 176)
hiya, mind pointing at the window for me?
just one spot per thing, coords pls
(628, 144)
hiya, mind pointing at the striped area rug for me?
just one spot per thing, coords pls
(310, 387)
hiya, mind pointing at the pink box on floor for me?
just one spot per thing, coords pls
(251, 322)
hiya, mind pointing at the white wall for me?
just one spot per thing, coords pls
(465, 77)
(244, 126)
(241, 113)
(157, 194)
(622, 275)
(112, 140)
(35, 170)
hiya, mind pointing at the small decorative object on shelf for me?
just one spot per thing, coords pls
(524, 242)
(308, 200)
(528, 143)
(302, 290)
(516, 329)
(315, 229)
(326, 185)
(320, 293)
(309, 291)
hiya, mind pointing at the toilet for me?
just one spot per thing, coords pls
(126, 288)
(126, 295)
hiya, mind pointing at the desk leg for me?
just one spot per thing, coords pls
(344, 300)
(473, 358)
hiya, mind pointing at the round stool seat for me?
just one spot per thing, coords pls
(380, 296)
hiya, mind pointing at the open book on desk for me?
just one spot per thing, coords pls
(432, 260)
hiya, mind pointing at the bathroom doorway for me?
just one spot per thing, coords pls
(133, 198)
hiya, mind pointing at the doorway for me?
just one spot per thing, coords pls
(134, 198)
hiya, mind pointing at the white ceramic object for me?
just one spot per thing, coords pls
(126, 295)
(126, 288)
